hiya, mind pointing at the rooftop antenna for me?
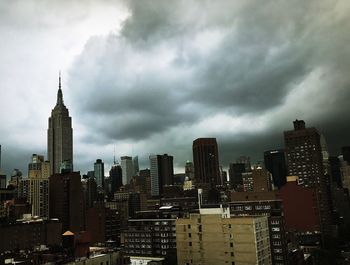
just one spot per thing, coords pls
(114, 156)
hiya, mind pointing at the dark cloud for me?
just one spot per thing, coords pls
(240, 71)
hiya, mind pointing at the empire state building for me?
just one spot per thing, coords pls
(59, 135)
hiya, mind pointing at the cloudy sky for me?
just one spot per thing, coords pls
(151, 76)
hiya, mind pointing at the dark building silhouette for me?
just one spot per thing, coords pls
(275, 163)
(103, 224)
(345, 150)
(66, 200)
(99, 173)
(27, 234)
(116, 177)
(206, 161)
(90, 191)
(59, 134)
(162, 173)
(235, 172)
(305, 160)
(334, 164)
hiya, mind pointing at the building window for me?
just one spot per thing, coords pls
(190, 244)
(189, 235)
(189, 226)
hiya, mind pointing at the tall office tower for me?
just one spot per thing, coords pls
(99, 173)
(206, 161)
(116, 177)
(90, 191)
(189, 170)
(344, 173)
(16, 176)
(275, 163)
(235, 173)
(162, 173)
(334, 163)
(38, 174)
(305, 160)
(59, 134)
(23, 189)
(3, 179)
(146, 175)
(135, 162)
(246, 161)
(345, 150)
(66, 200)
(127, 169)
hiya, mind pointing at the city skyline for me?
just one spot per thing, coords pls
(151, 78)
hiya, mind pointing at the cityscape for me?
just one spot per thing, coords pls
(180, 133)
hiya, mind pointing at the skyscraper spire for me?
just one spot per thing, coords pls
(59, 79)
(59, 93)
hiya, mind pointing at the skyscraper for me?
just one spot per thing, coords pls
(275, 163)
(38, 174)
(116, 177)
(3, 179)
(127, 169)
(235, 172)
(206, 161)
(189, 170)
(135, 162)
(162, 173)
(305, 160)
(59, 134)
(99, 173)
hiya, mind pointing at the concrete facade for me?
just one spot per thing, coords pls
(211, 239)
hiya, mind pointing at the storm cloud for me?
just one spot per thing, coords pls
(242, 71)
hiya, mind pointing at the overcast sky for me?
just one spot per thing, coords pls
(151, 76)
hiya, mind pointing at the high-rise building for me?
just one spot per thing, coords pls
(59, 134)
(162, 173)
(16, 176)
(235, 172)
(38, 174)
(246, 161)
(23, 189)
(345, 173)
(275, 163)
(66, 200)
(127, 168)
(345, 150)
(213, 238)
(99, 173)
(334, 163)
(206, 161)
(90, 191)
(116, 177)
(305, 160)
(189, 170)
(3, 180)
(135, 162)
